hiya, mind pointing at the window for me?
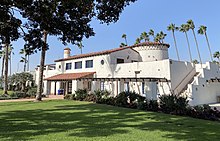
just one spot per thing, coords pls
(70, 87)
(89, 63)
(68, 66)
(143, 84)
(102, 86)
(126, 86)
(134, 61)
(102, 62)
(78, 65)
(119, 61)
(89, 85)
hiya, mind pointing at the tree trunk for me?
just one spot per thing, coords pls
(176, 46)
(28, 63)
(25, 62)
(126, 41)
(10, 63)
(209, 46)
(190, 55)
(6, 66)
(41, 68)
(3, 65)
(197, 46)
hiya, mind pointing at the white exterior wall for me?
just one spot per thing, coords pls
(152, 53)
(152, 63)
(181, 73)
(202, 92)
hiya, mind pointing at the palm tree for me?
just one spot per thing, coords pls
(125, 37)
(7, 44)
(202, 31)
(151, 33)
(195, 61)
(138, 41)
(162, 36)
(10, 55)
(80, 46)
(24, 59)
(185, 28)
(145, 36)
(122, 44)
(217, 55)
(192, 27)
(173, 28)
(2, 55)
(157, 38)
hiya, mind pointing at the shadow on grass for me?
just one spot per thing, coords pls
(92, 120)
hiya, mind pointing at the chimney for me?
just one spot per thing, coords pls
(67, 52)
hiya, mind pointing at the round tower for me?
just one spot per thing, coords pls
(152, 51)
(66, 52)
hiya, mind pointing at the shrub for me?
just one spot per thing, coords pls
(132, 96)
(80, 94)
(21, 94)
(167, 103)
(153, 106)
(101, 96)
(32, 92)
(70, 97)
(173, 104)
(121, 100)
(4, 97)
(142, 105)
(90, 98)
(110, 101)
(67, 96)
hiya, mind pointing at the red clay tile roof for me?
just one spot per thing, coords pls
(150, 44)
(67, 48)
(69, 76)
(92, 54)
(111, 51)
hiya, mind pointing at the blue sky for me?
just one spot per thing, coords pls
(136, 18)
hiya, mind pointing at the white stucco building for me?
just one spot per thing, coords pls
(144, 68)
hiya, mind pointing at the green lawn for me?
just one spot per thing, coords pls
(9, 92)
(63, 120)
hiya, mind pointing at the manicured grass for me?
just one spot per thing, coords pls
(63, 120)
(9, 92)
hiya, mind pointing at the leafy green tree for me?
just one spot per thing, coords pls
(172, 27)
(185, 28)
(192, 27)
(124, 36)
(68, 20)
(21, 79)
(203, 31)
(217, 55)
(9, 31)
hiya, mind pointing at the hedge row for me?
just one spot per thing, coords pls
(170, 104)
